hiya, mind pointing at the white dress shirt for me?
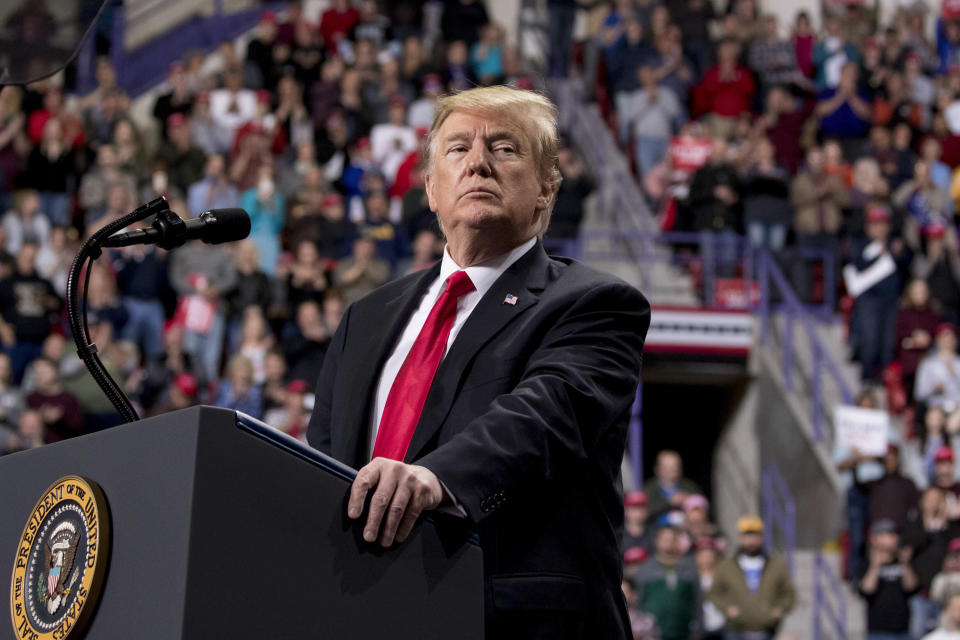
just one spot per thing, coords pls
(483, 276)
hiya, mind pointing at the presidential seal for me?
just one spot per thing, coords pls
(60, 562)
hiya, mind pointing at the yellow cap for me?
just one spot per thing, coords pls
(750, 524)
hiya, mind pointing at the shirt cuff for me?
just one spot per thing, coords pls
(454, 509)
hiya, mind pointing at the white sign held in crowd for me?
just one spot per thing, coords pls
(865, 430)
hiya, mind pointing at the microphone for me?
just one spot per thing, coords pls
(169, 230)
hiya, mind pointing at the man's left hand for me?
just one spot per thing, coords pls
(401, 492)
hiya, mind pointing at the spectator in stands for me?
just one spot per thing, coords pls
(766, 202)
(916, 324)
(832, 53)
(892, 497)
(336, 23)
(50, 170)
(233, 105)
(252, 287)
(927, 536)
(696, 525)
(887, 584)
(715, 204)
(391, 241)
(844, 111)
(361, 272)
(706, 558)
(896, 165)
(201, 274)
(948, 627)
(937, 434)
(947, 582)
(462, 20)
(668, 588)
(213, 191)
(774, 59)
(939, 266)
(95, 183)
(752, 590)
(208, 133)
(305, 349)
(12, 401)
(184, 160)
(391, 141)
(262, 54)
(924, 201)
(818, 199)
(29, 305)
(255, 341)
(624, 60)
(486, 55)
(306, 279)
(292, 417)
(726, 90)
(266, 208)
(59, 409)
(943, 476)
(142, 283)
(577, 185)
(667, 489)
(636, 533)
(874, 280)
(938, 376)
(652, 114)
(427, 249)
(178, 100)
(25, 223)
(238, 390)
(30, 433)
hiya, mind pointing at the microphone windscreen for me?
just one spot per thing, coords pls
(225, 225)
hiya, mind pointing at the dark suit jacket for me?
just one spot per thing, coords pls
(525, 424)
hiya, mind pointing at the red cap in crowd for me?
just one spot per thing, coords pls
(635, 555)
(186, 383)
(363, 143)
(175, 120)
(397, 100)
(296, 386)
(943, 454)
(332, 199)
(635, 499)
(695, 501)
(202, 96)
(935, 230)
(263, 96)
(422, 131)
(878, 213)
(945, 327)
(268, 16)
(953, 546)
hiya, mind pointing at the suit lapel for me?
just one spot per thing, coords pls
(378, 333)
(525, 279)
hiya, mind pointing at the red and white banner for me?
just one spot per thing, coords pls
(710, 332)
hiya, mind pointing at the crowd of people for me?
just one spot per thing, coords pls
(315, 126)
(835, 142)
(681, 577)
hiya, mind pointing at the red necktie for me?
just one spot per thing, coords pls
(409, 391)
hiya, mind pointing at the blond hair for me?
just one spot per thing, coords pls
(534, 114)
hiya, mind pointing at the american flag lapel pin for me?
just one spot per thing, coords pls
(510, 299)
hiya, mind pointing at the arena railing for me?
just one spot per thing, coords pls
(779, 514)
(829, 601)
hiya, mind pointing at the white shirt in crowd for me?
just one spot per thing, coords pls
(230, 110)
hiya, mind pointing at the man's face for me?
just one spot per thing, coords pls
(946, 342)
(666, 541)
(751, 542)
(669, 468)
(944, 471)
(635, 514)
(891, 461)
(484, 177)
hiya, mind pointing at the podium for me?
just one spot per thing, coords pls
(221, 527)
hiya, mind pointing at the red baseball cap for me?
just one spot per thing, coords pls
(263, 95)
(943, 454)
(332, 199)
(635, 499)
(186, 383)
(635, 555)
(176, 119)
(878, 213)
(296, 386)
(953, 546)
(945, 327)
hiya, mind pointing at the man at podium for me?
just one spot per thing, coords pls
(497, 384)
